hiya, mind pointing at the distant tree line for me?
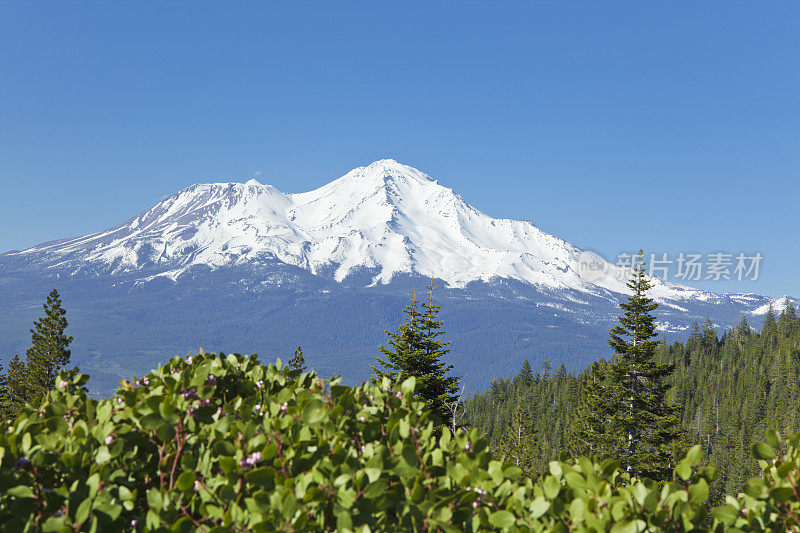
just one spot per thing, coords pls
(723, 392)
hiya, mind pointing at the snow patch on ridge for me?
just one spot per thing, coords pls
(778, 305)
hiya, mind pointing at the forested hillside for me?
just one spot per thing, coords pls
(731, 391)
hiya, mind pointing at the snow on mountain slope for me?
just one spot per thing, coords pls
(387, 216)
(778, 305)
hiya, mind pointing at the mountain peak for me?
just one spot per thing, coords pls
(386, 169)
(386, 217)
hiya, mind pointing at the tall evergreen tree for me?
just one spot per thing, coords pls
(49, 351)
(546, 367)
(298, 362)
(417, 351)
(518, 443)
(787, 319)
(404, 348)
(644, 427)
(743, 328)
(770, 326)
(589, 434)
(525, 376)
(438, 388)
(15, 391)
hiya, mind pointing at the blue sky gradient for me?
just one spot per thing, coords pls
(670, 126)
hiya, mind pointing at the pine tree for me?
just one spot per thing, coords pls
(770, 326)
(644, 428)
(404, 348)
(743, 329)
(518, 444)
(787, 319)
(709, 338)
(298, 362)
(546, 367)
(49, 351)
(417, 351)
(434, 385)
(15, 392)
(589, 434)
(525, 376)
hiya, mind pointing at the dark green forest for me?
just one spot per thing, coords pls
(729, 390)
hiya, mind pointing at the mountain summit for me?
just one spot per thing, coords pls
(246, 267)
(387, 218)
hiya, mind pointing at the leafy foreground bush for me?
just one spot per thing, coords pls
(222, 443)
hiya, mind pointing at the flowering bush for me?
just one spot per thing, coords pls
(222, 443)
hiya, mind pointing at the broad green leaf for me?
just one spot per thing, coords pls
(763, 451)
(684, 470)
(695, 455)
(82, 513)
(314, 412)
(539, 507)
(502, 519)
(185, 481)
(698, 493)
(409, 385)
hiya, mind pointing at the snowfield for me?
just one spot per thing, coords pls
(387, 216)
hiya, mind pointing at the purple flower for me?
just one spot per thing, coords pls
(212, 379)
(189, 394)
(468, 446)
(399, 394)
(21, 463)
(259, 384)
(196, 485)
(361, 419)
(62, 384)
(475, 504)
(109, 439)
(134, 522)
(284, 407)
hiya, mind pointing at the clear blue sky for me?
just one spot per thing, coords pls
(674, 125)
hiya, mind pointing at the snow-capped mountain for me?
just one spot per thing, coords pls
(245, 267)
(387, 216)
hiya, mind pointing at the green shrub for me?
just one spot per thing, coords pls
(223, 443)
